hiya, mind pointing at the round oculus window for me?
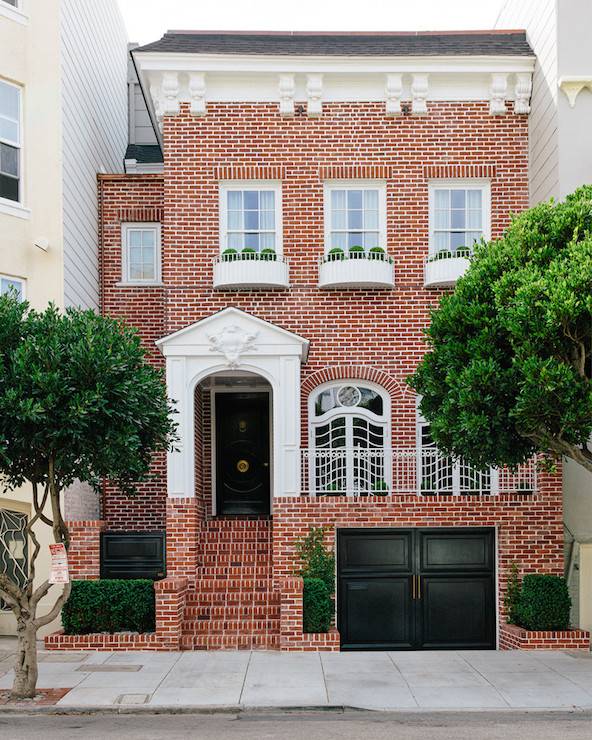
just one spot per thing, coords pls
(348, 395)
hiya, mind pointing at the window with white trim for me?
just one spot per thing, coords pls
(459, 216)
(349, 435)
(12, 285)
(250, 217)
(439, 474)
(355, 215)
(10, 142)
(14, 550)
(141, 253)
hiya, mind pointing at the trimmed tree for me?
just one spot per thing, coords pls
(78, 400)
(509, 371)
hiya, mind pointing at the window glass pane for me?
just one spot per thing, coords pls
(251, 200)
(9, 285)
(473, 219)
(338, 220)
(267, 200)
(9, 101)
(371, 200)
(371, 239)
(325, 401)
(251, 219)
(354, 239)
(148, 237)
(339, 240)
(442, 219)
(472, 237)
(338, 200)
(9, 130)
(371, 219)
(267, 220)
(134, 238)
(371, 400)
(9, 187)
(474, 199)
(354, 199)
(441, 240)
(252, 241)
(267, 241)
(235, 219)
(9, 160)
(442, 200)
(234, 241)
(457, 198)
(459, 239)
(354, 219)
(457, 219)
(234, 200)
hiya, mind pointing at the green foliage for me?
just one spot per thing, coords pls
(317, 605)
(357, 251)
(543, 604)
(380, 488)
(335, 254)
(510, 371)
(377, 253)
(463, 252)
(512, 594)
(268, 254)
(229, 255)
(248, 251)
(109, 606)
(316, 561)
(77, 391)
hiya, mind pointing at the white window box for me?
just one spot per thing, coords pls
(251, 272)
(444, 272)
(359, 272)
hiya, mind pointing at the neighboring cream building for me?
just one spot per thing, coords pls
(63, 118)
(561, 161)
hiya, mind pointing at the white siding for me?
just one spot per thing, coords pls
(140, 125)
(94, 89)
(539, 18)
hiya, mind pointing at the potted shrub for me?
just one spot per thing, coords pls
(543, 604)
(249, 253)
(229, 255)
(357, 252)
(268, 254)
(377, 253)
(443, 254)
(463, 252)
(317, 569)
(335, 254)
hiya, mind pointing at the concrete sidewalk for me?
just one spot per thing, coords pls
(381, 680)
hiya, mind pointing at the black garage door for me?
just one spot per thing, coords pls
(414, 589)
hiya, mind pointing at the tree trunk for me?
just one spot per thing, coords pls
(25, 670)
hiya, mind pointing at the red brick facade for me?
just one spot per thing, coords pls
(367, 334)
(517, 638)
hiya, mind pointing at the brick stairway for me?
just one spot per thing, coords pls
(232, 604)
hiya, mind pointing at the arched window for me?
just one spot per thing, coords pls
(349, 434)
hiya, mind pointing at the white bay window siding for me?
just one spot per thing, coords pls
(355, 215)
(349, 433)
(440, 475)
(250, 217)
(459, 216)
(10, 142)
(141, 253)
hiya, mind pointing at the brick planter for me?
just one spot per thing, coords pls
(518, 638)
(292, 638)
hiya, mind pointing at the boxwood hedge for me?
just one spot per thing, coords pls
(543, 603)
(110, 606)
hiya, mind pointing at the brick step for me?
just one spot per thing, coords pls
(221, 583)
(242, 572)
(230, 642)
(220, 598)
(238, 611)
(231, 627)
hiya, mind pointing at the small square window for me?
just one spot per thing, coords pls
(12, 285)
(141, 253)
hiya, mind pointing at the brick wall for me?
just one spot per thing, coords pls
(84, 553)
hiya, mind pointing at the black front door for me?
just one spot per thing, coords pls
(242, 453)
(413, 589)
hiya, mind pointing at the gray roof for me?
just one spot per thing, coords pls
(462, 43)
(144, 153)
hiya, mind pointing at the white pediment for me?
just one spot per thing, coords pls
(232, 334)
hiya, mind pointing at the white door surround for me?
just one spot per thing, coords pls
(234, 339)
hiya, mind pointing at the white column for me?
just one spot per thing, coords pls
(287, 428)
(180, 482)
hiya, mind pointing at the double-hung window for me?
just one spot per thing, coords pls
(250, 217)
(12, 285)
(10, 142)
(355, 215)
(459, 216)
(141, 253)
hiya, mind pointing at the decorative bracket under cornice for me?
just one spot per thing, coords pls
(287, 91)
(314, 95)
(573, 86)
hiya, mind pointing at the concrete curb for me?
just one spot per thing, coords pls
(234, 709)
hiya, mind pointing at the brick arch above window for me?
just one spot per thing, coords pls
(395, 387)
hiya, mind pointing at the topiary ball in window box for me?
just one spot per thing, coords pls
(357, 252)
(335, 254)
(543, 604)
(268, 255)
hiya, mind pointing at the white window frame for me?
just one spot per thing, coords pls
(420, 422)
(16, 279)
(380, 185)
(459, 184)
(16, 12)
(7, 202)
(270, 185)
(144, 226)
(314, 421)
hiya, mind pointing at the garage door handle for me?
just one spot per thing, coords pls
(419, 588)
